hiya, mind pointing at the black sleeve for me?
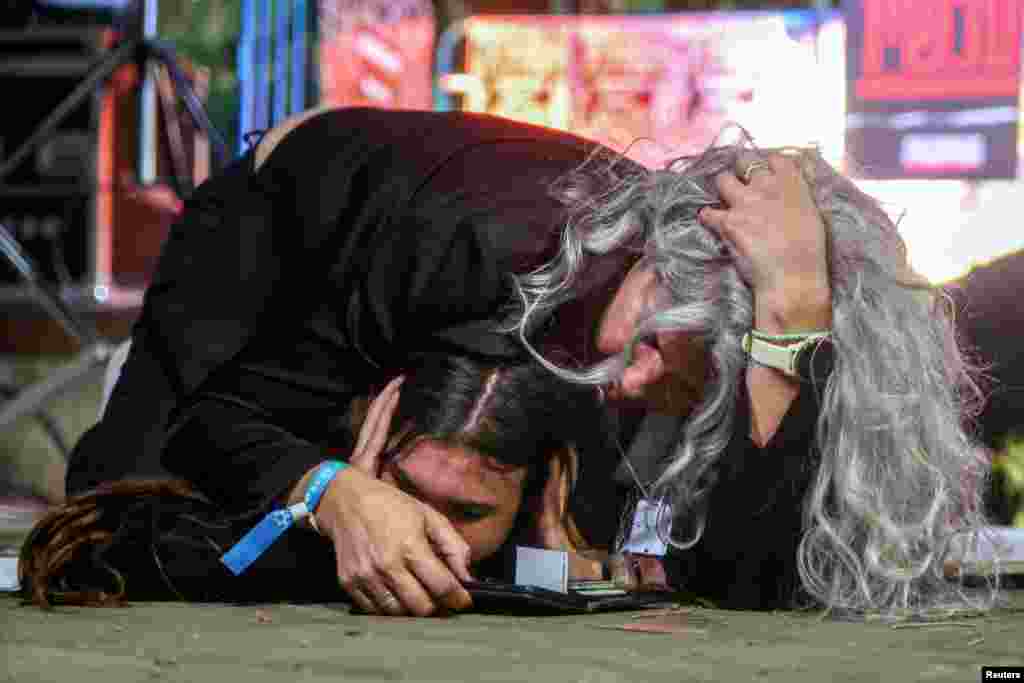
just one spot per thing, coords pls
(380, 234)
(237, 456)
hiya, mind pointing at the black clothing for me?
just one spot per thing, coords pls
(746, 558)
(365, 237)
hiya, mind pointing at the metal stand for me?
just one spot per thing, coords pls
(141, 52)
(91, 359)
(95, 350)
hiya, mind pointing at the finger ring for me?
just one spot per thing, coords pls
(749, 170)
(389, 601)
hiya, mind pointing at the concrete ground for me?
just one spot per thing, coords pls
(274, 643)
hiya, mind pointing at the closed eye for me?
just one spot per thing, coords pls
(470, 512)
(461, 510)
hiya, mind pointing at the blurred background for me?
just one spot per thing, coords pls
(118, 108)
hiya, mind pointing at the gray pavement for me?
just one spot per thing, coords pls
(224, 643)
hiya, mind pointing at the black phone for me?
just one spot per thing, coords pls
(583, 597)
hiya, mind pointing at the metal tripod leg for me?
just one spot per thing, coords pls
(96, 351)
(133, 51)
(90, 360)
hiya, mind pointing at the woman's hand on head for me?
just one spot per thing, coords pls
(777, 237)
(555, 529)
(395, 555)
(373, 434)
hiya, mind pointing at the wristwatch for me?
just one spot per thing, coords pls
(807, 356)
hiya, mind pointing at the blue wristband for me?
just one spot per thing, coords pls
(263, 535)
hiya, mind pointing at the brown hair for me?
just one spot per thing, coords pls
(63, 560)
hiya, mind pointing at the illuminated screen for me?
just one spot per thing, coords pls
(933, 87)
(660, 86)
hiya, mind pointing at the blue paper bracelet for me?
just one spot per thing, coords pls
(263, 535)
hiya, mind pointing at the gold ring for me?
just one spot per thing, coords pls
(749, 170)
(389, 600)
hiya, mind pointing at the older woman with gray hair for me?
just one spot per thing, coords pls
(854, 510)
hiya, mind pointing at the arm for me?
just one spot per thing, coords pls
(384, 540)
(778, 240)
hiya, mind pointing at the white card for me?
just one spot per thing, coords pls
(542, 568)
(643, 536)
(8, 574)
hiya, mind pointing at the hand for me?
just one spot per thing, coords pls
(777, 237)
(395, 555)
(373, 434)
(555, 528)
(551, 522)
(667, 371)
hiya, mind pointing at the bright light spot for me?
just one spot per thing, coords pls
(949, 230)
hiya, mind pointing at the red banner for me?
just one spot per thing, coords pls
(939, 49)
(660, 86)
(933, 87)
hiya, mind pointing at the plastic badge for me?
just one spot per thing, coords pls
(643, 536)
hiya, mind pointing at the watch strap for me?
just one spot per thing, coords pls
(766, 350)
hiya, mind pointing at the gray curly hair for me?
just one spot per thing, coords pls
(900, 474)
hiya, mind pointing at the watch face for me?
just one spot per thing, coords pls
(814, 361)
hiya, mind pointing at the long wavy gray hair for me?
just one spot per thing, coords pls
(899, 472)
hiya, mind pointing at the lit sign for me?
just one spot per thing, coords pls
(660, 86)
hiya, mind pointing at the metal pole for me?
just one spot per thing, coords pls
(261, 74)
(300, 20)
(282, 11)
(246, 48)
(147, 111)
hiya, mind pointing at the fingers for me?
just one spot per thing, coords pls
(417, 597)
(394, 554)
(785, 167)
(716, 220)
(755, 172)
(731, 188)
(374, 433)
(361, 599)
(443, 589)
(647, 367)
(448, 544)
(374, 597)
(550, 515)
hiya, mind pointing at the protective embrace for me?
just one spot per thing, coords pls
(430, 337)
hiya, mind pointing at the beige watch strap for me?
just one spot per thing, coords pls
(779, 356)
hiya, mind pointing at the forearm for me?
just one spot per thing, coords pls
(771, 391)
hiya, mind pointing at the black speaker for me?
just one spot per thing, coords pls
(48, 199)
